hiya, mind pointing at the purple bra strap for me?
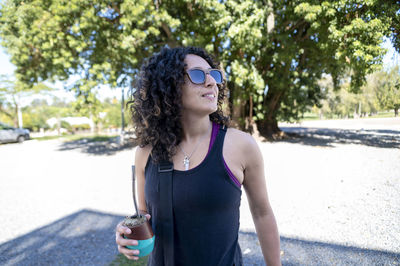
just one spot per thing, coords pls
(214, 132)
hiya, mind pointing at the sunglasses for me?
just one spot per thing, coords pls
(198, 75)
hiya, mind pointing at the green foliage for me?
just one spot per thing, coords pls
(284, 47)
(99, 41)
(6, 118)
(38, 112)
(381, 92)
(35, 118)
(386, 86)
(11, 94)
(112, 110)
(64, 124)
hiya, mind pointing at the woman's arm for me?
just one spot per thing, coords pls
(256, 191)
(141, 157)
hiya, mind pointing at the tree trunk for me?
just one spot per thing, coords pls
(237, 107)
(19, 115)
(58, 125)
(396, 112)
(268, 127)
(16, 122)
(249, 119)
(238, 114)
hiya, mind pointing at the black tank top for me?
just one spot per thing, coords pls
(206, 205)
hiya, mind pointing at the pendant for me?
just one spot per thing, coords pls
(186, 163)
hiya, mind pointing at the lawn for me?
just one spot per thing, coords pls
(94, 138)
(121, 260)
(312, 116)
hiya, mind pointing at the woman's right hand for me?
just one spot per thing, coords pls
(122, 242)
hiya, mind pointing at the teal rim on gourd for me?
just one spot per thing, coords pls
(145, 247)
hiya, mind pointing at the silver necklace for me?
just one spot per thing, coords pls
(186, 159)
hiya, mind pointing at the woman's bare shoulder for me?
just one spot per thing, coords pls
(240, 138)
(142, 155)
(242, 145)
(143, 150)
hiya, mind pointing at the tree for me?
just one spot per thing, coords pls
(274, 52)
(112, 110)
(380, 93)
(4, 110)
(96, 42)
(36, 114)
(285, 47)
(386, 86)
(343, 103)
(12, 92)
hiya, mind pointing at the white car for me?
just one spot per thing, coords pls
(12, 134)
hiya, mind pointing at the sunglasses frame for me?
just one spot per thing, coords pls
(205, 71)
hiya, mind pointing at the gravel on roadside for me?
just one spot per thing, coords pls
(335, 195)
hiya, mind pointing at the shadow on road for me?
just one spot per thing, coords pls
(95, 147)
(87, 238)
(327, 137)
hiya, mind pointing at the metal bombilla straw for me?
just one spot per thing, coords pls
(134, 192)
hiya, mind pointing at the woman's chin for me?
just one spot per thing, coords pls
(212, 109)
(204, 109)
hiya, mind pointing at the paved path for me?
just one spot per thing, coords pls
(335, 193)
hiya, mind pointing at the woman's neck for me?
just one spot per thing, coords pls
(193, 129)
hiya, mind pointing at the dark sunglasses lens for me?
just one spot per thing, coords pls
(217, 75)
(197, 76)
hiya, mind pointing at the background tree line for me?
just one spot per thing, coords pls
(39, 111)
(380, 92)
(274, 52)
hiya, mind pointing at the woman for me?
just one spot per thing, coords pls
(177, 113)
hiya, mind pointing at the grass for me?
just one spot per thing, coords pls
(121, 260)
(94, 138)
(383, 115)
(312, 116)
(47, 138)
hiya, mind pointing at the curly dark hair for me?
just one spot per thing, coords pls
(156, 101)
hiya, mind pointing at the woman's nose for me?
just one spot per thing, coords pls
(210, 81)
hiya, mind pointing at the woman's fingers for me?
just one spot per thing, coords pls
(120, 240)
(132, 257)
(129, 253)
(122, 229)
(125, 242)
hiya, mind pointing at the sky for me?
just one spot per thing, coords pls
(391, 59)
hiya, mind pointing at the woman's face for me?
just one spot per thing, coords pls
(201, 99)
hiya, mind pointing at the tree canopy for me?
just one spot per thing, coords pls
(274, 52)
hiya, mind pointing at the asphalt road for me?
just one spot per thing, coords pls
(335, 191)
